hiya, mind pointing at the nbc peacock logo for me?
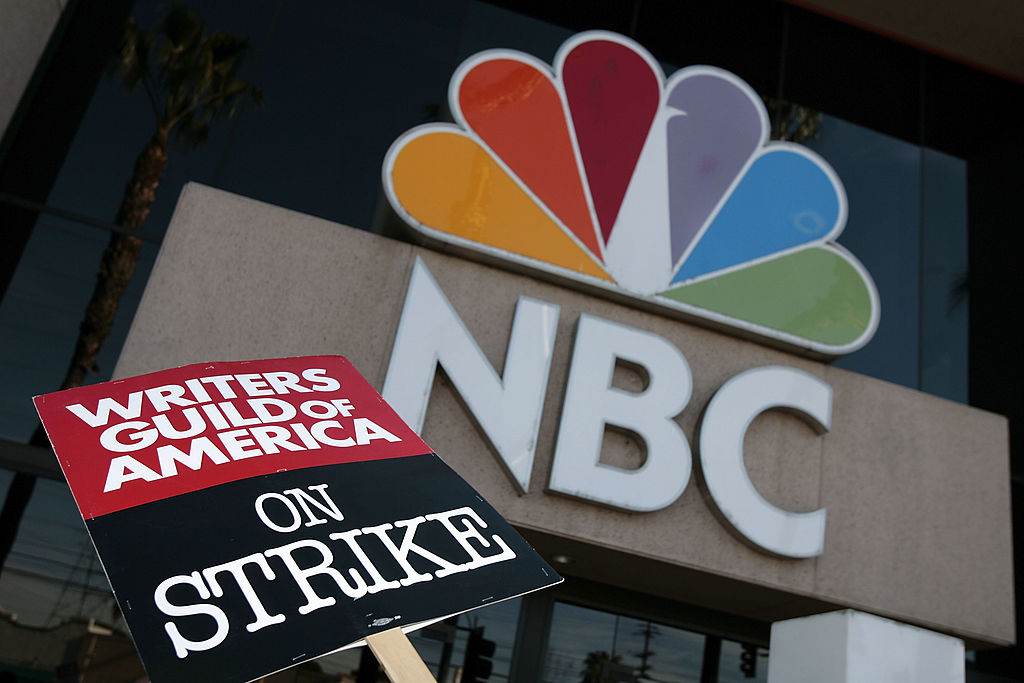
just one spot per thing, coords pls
(665, 192)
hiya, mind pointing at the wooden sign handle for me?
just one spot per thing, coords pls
(401, 662)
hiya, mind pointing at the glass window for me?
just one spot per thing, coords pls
(52, 573)
(944, 309)
(742, 663)
(443, 646)
(495, 624)
(882, 179)
(908, 225)
(591, 646)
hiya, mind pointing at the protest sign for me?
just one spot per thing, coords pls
(252, 515)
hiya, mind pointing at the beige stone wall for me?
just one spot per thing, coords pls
(25, 28)
(916, 487)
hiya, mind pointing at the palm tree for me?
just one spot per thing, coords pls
(793, 122)
(190, 77)
(596, 665)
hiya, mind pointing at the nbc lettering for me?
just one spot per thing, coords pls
(430, 333)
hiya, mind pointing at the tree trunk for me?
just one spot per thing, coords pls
(119, 259)
(116, 269)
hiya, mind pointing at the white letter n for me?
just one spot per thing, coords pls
(507, 409)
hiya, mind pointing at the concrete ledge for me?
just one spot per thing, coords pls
(853, 647)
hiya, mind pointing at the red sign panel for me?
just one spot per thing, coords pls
(137, 440)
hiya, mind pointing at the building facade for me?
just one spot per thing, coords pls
(916, 114)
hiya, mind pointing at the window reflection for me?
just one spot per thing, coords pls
(441, 646)
(496, 623)
(592, 646)
(730, 668)
(908, 226)
(577, 632)
(52, 574)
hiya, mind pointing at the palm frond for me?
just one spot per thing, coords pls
(133, 57)
(193, 72)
